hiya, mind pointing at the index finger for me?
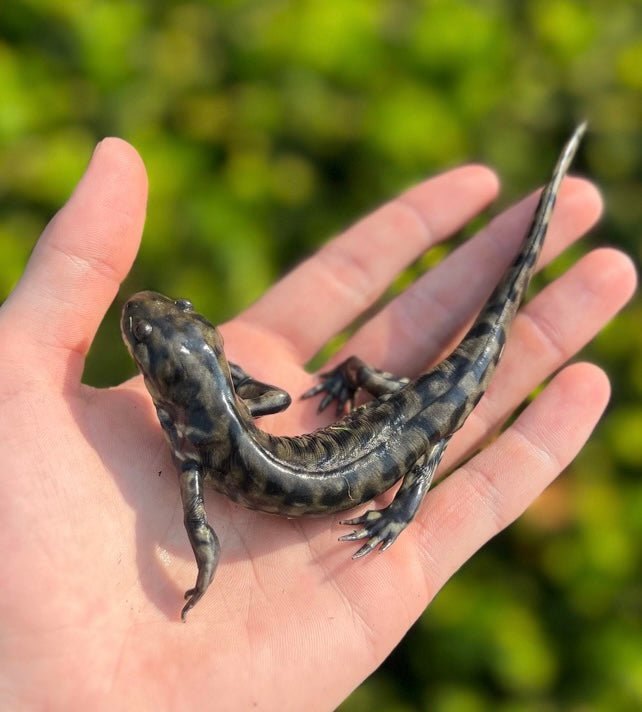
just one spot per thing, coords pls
(330, 289)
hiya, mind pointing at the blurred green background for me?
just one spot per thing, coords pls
(268, 126)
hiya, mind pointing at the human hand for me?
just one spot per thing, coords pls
(94, 552)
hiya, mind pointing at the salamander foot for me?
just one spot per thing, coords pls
(193, 595)
(336, 385)
(380, 526)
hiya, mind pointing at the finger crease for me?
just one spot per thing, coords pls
(482, 485)
(414, 212)
(542, 453)
(408, 314)
(348, 274)
(545, 333)
(89, 264)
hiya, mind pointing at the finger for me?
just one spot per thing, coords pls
(82, 256)
(495, 487)
(545, 334)
(325, 293)
(430, 316)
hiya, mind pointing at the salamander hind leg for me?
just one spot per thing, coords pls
(383, 526)
(204, 542)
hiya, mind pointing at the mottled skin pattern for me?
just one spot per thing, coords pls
(207, 407)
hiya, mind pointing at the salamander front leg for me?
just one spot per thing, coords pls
(204, 541)
(383, 526)
(343, 382)
(260, 398)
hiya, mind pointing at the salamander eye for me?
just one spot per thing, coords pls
(141, 330)
(184, 305)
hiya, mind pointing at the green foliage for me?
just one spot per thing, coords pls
(268, 126)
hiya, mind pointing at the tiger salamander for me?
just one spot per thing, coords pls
(207, 406)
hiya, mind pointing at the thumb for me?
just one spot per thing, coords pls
(79, 262)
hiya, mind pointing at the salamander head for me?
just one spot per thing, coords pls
(178, 351)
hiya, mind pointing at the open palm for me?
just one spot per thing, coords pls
(95, 557)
